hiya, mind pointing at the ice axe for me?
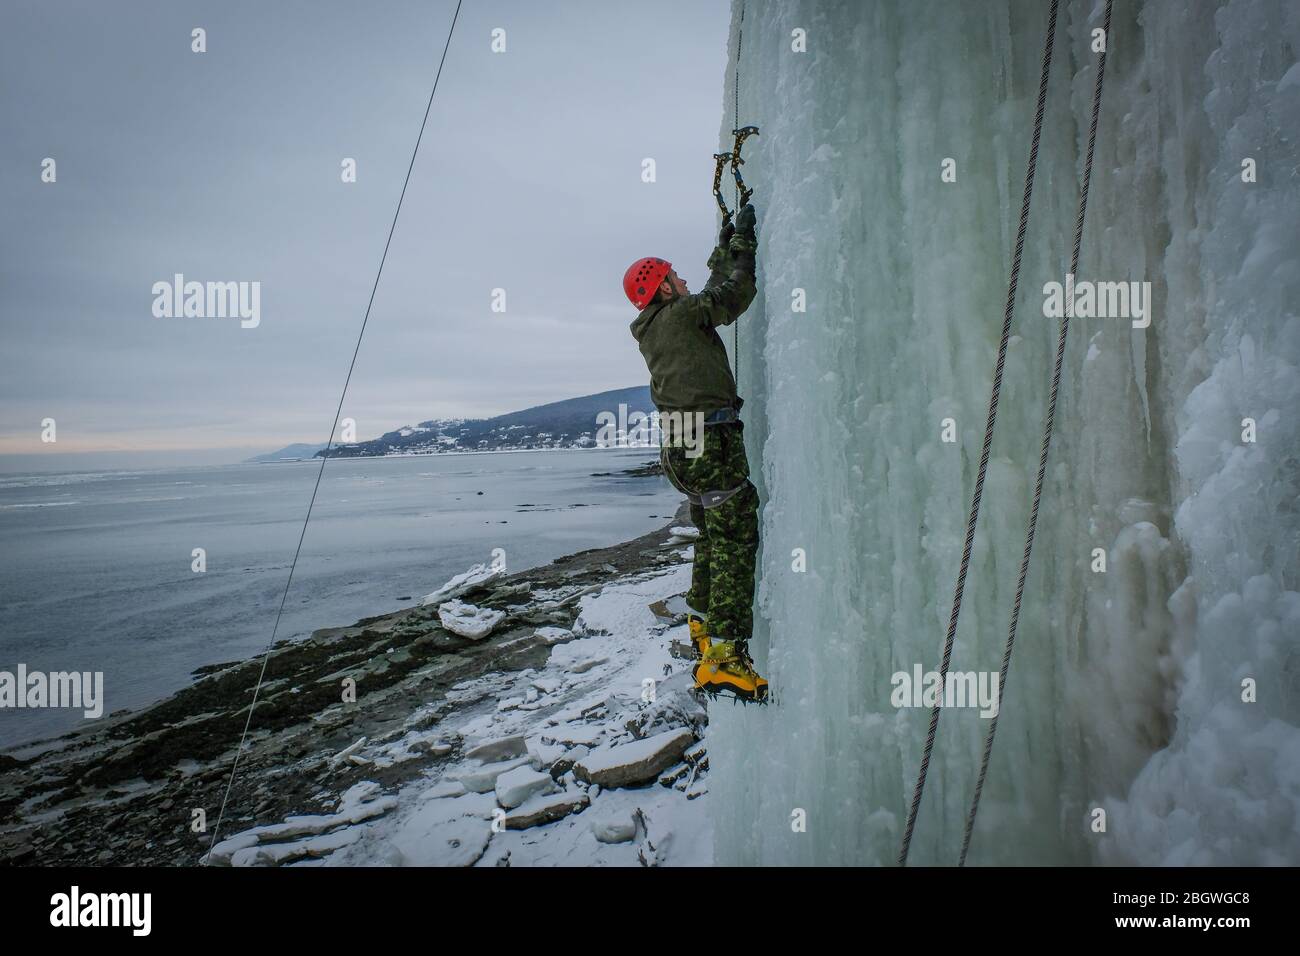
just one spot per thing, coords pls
(742, 134)
(720, 160)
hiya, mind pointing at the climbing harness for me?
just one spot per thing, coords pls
(707, 500)
(988, 433)
(1063, 329)
(988, 437)
(266, 656)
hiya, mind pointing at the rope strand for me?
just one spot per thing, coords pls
(988, 433)
(1047, 441)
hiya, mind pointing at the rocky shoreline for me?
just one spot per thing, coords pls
(130, 792)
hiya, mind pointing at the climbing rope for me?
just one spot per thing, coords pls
(973, 516)
(329, 444)
(735, 85)
(1047, 437)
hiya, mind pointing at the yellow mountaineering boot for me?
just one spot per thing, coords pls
(699, 636)
(726, 668)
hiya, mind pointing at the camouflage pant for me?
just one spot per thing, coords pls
(722, 579)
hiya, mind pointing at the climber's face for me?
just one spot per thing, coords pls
(674, 284)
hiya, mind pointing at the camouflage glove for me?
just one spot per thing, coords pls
(720, 262)
(745, 220)
(742, 245)
(728, 230)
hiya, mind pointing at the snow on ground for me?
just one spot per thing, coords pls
(612, 692)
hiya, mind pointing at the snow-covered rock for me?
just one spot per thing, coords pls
(516, 786)
(276, 853)
(634, 763)
(580, 655)
(484, 779)
(444, 789)
(563, 765)
(554, 635)
(574, 734)
(469, 621)
(458, 585)
(614, 829)
(676, 776)
(359, 803)
(545, 809)
(504, 748)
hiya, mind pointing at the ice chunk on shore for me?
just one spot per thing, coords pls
(458, 585)
(469, 621)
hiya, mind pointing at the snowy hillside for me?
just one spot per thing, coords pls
(1126, 690)
(571, 423)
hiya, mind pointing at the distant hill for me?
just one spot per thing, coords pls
(290, 453)
(567, 424)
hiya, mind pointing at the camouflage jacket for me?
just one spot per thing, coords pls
(689, 368)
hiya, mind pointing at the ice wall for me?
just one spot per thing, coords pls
(1125, 692)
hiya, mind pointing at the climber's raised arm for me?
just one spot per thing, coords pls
(730, 287)
(720, 259)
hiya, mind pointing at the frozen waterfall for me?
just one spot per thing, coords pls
(1126, 690)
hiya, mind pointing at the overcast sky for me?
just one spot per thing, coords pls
(225, 166)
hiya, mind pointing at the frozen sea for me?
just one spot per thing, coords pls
(95, 572)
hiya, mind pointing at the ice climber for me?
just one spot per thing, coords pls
(703, 447)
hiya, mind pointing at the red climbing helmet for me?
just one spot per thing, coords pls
(642, 279)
